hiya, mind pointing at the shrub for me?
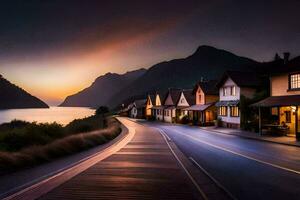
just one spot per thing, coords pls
(70, 144)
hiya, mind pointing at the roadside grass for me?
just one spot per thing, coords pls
(76, 136)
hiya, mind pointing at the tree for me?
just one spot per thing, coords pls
(102, 110)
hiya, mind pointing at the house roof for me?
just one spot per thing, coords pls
(174, 93)
(208, 87)
(140, 103)
(189, 96)
(152, 98)
(242, 79)
(290, 100)
(199, 107)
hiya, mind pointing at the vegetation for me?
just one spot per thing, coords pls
(25, 144)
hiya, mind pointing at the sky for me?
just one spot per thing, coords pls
(55, 48)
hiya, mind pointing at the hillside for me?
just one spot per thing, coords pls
(207, 62)
(12, 96)
(102, 89)
(113, 89)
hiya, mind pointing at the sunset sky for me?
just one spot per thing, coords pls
(56, 48)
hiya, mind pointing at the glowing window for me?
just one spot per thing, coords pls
(223, 111)
(234, 111)
(295, 81)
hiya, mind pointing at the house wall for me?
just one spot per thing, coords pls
(160, 115)
(211, 98)
(228, 83)
(280, 84)
(200, 93)
(182, 100)
(228, 119)
(157, 100)
(133, 112)
(149, 105)
(172, 113)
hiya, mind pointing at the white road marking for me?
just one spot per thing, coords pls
(184, 168)
(239, 154)
(213, 179)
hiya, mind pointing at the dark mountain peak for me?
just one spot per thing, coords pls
(13, 96)
(102, 88)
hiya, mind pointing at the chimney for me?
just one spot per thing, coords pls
(286, 56)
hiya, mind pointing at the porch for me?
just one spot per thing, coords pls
(284, 115)
(203, 115)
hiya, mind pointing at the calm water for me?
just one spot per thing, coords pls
(62, 115)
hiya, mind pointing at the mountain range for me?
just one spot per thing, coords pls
(12, 96)
(113, 89)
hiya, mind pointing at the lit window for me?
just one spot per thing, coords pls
(295, 81)
(232, 91)
(234, 111)
(223, 111)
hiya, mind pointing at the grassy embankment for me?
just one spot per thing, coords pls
(24, 144)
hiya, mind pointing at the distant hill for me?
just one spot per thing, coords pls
(12, 96)
(207, 62)
(102, 89)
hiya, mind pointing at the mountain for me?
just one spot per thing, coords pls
(102, 89)
(12, 96)
(207, 62)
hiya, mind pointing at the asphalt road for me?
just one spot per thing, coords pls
(248, 169)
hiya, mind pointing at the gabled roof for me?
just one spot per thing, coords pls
(174, 93)
(242, 79)
(152, 98)
(140, 103)
(208, 87)
(189, 96)
(291, 100)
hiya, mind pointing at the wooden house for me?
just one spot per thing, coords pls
(232, 86)
(185, 100)
(169, 104)
(204, 112)
(284, 100)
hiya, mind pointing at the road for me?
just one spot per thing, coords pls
(248, 169)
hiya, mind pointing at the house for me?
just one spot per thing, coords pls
(284, 100)
(233, 86)
(137, 109)
(149, 104)
(205, 95)
(157, 110)
(185, 100)
(169, 104)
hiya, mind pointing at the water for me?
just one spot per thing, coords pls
(62, 115)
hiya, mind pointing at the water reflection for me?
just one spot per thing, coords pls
(62, 115)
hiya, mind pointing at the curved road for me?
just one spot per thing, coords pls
(249, 169)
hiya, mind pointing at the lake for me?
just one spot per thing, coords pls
(62, 115)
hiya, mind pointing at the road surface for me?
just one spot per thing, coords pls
(248, 169)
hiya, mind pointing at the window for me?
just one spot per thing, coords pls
(294, 81)
(199, 98)
(182, 101)
(288, 117)
(234, 111)
(223, 111)
(232, 91)
(224, 91)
